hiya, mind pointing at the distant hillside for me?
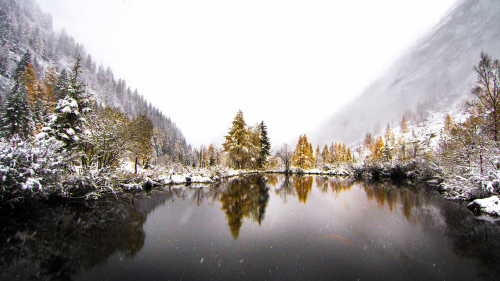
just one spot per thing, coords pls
(24, 26)
(436, 75)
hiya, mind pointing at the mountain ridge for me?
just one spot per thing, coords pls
(437, 71)
(25, 26)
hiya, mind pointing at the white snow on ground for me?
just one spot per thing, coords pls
(178, 174)
(490, 205)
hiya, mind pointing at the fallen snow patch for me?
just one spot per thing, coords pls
(490, 205)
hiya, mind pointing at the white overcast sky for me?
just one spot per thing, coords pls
(289, 63)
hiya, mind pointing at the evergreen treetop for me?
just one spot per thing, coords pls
(17, 118)
(22, 64)
(265, 145)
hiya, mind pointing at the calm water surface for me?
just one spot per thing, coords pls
(260, 228)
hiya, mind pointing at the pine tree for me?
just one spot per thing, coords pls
(310, 155)
(67, 122)
(368, 140)
(38, 110)
(88, 62)
(318, 159)
(325, 155)
(387, 154)
(22, 64)
(236, 143)
(4, 60)
(76, 89)
(265, 146)
(404, 125)
(17, 117)
(212, 157)
(389, 136)
(62, 83)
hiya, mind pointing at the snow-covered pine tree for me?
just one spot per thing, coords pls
(17, 118)
(265, 146)
(38, 108)
(389, 136)
(88, 62)
(8, 24)
(62, 83)
(325, 155)
(212, 155)
(368, 142)
(4, 60)
(236, 143)
(317, 157)
(310, 155)
(66, 124)
(22, 64)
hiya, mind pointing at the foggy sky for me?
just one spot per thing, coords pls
(289, 63)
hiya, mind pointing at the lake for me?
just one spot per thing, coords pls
(259, 227)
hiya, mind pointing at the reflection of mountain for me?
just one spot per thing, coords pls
(56, 242)
(244, 198)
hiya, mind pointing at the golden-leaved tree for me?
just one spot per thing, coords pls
(237, 143)
(377, 149)
(303, 156)
(140, 134)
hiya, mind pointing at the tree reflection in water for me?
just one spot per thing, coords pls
(303, 185)
(286, 190)
(57, 241)
(242, 198)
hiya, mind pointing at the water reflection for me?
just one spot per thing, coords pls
(296, 227)
(243, 198)
(473, 238)
(54, 242)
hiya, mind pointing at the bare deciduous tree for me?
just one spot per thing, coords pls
(487, 90)
(286, 155)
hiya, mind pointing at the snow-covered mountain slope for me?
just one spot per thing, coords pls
(435, 75)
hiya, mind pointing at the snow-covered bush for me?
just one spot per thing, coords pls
(30, 167)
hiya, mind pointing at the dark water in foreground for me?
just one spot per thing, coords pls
(260, 228)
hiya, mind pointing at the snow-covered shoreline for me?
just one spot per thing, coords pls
(177, 174)
(490, 206)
